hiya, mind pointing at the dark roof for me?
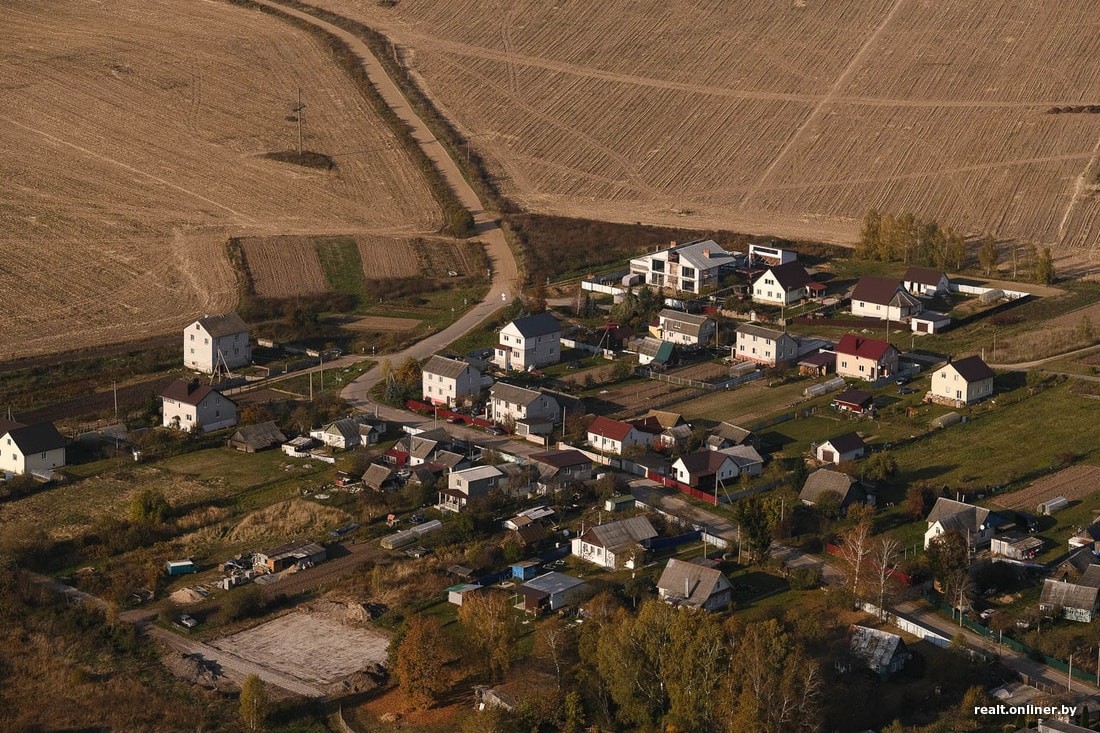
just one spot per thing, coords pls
(699, 582)
(659, 351)
(189, 393)
(259, 436)
(226, 324)
(561, 458)
(617, 536)
(704, 462)
(513, 394)
(875, 289)
(847, 442)
(530, 534)
(376, 476)
(539, 324)
(790, 276)
(450, 368)
(973, 369)
(6, 425)
(733, 433)
(822, 480)
(37, 438)
(1068, 595)
(821, 358)
(855, 397)
(923, 275)
(863, 347)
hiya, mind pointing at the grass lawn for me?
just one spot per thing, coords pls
(745, 404)
(334, 380)
(341, 263)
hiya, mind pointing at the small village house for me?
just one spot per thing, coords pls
(509, 402)
(216, 344)
(300, 553)
(693, 585)
(846, 447)
(615, 436)
(864, 358)
(962, 382)
(379, 477)
(688, 267)
(685, 329)
(529, 342)
(824, 481)
(970, 522)
(28, 450)
(449, 382)
(706, 470)
(1076, 601)
(782, 285)
(550, 592)
(1016, 546)
(926, 282)
(346, 433)
(616, 544)
(747, 457)
(655, 353)
(727, 435)
(561, 467)
(253, 438)
(884, 298)
(186, 405)
(855, 402)
(879, 651)
(468, 484)
(764, 346)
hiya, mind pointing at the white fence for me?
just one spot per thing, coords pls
(981, 290)
(596, 287)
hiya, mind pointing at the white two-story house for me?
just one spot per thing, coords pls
(529, 343)
(187, 404)
(216, 344)
(784, 284)
(764, 346)
(615, 436)
(686, 329)
(449, 382)
(687, 267)
(962, 382)
(30, 449)
(509, 402)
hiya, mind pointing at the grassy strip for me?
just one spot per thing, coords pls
(341, 263)
(458, 221)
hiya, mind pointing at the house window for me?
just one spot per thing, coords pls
(43, 456)
(192, 351)
(206, 341)
(192, 337)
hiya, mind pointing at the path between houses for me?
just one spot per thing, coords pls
(1039, 362)
(505, 270)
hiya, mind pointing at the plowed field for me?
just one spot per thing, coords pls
(132, 147)
(789, 118)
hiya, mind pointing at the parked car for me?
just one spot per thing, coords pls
(1027, 521)
(455, 420)
(901, 379)
(494, 430)
(187, 622)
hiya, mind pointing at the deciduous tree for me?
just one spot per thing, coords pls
(254, 703)
(422, 658)
(491, 626)
(753, 526)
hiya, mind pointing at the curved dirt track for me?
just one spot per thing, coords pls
(505, 270)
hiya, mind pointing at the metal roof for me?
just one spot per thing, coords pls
(1068, 595)
(513, 394)
(617, 536)
(539, 324)
(226, 324)
(553, 582)
(874, 647)
(689, 584)
(441, 365)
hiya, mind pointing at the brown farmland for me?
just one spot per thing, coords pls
(134, 137)
(789, 118)
(283, 267)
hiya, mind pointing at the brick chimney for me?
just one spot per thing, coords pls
(706, 253)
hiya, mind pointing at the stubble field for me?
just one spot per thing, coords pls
(133, 147)
(789, 118)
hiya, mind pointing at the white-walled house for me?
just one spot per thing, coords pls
(615, 436)
(687, 267)
(865, 358)
(187, 404)
(687, 329)
(507, 401)
(616, 544)
(30, 449)
(764, 346)
(925, 281)
(215, 344)
(962, 382)
(785, 284)
(847, 447)
(884, 298)
(529, 342)
(968, 521)
(449, 382)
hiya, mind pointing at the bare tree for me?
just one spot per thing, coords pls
(855, 549)
(884, 556)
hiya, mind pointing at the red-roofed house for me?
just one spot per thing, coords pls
(187, 404)
(865, 358)
(615, 436)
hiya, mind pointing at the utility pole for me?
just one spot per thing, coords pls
(298, 114)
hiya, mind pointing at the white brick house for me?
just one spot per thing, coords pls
(687, 267)
(962, 382)
(785, 284)
(507, 401)
(449, 381)
(216, 344)
(764, 346)
(529, 343)
(30, 449)
(187, 404)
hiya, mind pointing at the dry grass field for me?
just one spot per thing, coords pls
(133, 143)
(789, 117)
(1072, 483)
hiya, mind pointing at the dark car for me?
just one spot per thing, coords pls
(455, 419)
(494, 430)
(1027, 521)
(901, 379)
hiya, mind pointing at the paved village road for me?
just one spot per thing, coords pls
(505, 271)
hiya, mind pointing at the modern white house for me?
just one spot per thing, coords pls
(687, 329)
(449, 382)
(784, 284)
(962, 382)
(687, 267)
(614, 436)
(865, 358)
(30, 449)
(187, 404)
(884, 298)
(925, 281)
(509, 402)
(216, 344)
(764, 346)
(529, 343)
(761, 254)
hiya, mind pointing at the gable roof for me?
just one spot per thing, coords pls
(561, 458)
(657, 350)
(923, 276)
(226, 324)
(690, 584)
(790, 276)
(422, 446)
(616, 536)
(1091, 577)
(875, 289)
(743, 455)
(696, 254)
(605, 427)
(864, 348)
(733, 433)
(513, 394)
(704, 462)
(972, 369)
(449, 368)
(539, 324)
(751, 329)
(189, 393)
(376, 476)
(347, 427)
(1068, 595)
(530, 534)
(970, 515)
(690, 324)
(857, 397)
(37, 438)
(824, 479)
(846, 443)
(874, 647)
(259, 436)
(667, 419)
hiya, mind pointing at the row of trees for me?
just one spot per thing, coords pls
(906, 238)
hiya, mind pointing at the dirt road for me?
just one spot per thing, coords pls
(505, 271)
